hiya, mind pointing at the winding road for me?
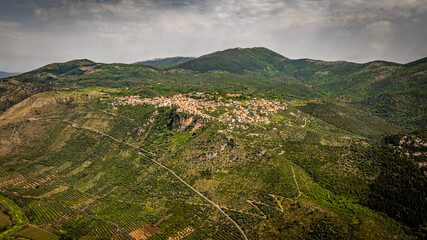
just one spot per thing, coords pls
(147, 154)
(203, 196)
(150, 155)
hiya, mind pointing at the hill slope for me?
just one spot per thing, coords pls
(163, 62)
(394, 92)
(238, 60)
(82, 168)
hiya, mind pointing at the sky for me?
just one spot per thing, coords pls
(34, 33)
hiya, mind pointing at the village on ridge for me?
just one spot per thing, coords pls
(200, 104)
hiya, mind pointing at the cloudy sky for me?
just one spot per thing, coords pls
(37, 32)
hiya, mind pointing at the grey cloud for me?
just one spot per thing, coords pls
(130, 30)
(380, 28)
(360, 12)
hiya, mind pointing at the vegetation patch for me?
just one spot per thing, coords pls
(4, 221)
(54, 191)
(17, 216)
(36, 233)
(182, 234)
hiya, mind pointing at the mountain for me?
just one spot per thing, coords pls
(7, 74)
(238, 60)
(237, 144)
(163, 62)
(394, 92)
(55, 71)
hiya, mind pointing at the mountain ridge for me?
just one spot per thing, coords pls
(165, 62)
(237, 60)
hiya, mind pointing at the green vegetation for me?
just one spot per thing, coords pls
(164, 62)
(393, 92)
(350, 119)
(399, 189)
(35, 233)
(239, 60)
(345, 159)
(17, 217)
(4, 221)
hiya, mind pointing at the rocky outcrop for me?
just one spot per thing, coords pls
(181, 122)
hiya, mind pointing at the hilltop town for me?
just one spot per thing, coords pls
(203, 105)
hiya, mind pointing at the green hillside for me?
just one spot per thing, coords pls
(237, 144)
(238, 60)
(350, 119)
(155, 80)
(164, 62)
(84, 168)
(394, 92)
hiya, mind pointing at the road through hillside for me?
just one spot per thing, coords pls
(203, 196)
(150, 155)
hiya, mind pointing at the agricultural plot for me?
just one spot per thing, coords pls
(46, 212)
(87, 227)
(11, 180)
(182, 234)
(139, 234)
(32, 183)
(35, 233)
(54, 191)
(71, 197)
(4, 220)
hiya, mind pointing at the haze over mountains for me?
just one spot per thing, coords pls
(242, 143)
(7, 74)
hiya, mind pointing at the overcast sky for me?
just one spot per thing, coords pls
(38, 32)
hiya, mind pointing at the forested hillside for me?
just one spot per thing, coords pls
(163, 62)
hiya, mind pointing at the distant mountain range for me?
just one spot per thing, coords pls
(7, 74)
(163, 62)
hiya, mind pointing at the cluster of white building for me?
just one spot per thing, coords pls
(250, 111)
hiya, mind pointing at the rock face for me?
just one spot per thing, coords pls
(181, 122)
(12, 93)
(184, 123)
